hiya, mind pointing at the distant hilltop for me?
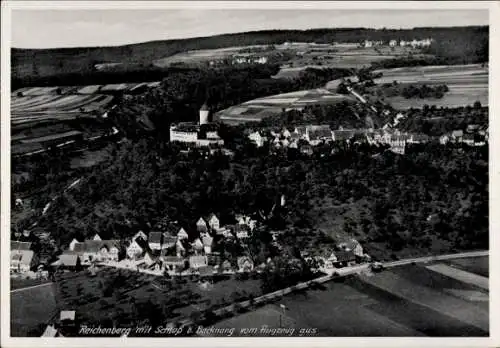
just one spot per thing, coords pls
(33, 63)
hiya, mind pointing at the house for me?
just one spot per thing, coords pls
(182, 234)
(226, 266)
(98, 250)
(108, 252)
(241, 231)
(69, 261)
(326, 260)
(207, 244)
(257, 138)
(368, 43)
(468, 139)
(173, 263)
(444, 139)
(306, 150)
(168, 241)
(457, 136)
(140, 234)
(136, 248)
(316, 134)
(471, 128)
(197, 261)
(344, 258)
(67, 315)
(96, 237)
(22, 260)
(213, 222)
(197, 246)
(201, 225)
(245, 264)
(342, 134)
(51, 331)
(154, 240)
(352, 245)
(402, 43)
(393, 43)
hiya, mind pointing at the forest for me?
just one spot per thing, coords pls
(435, 198)
(453, 45)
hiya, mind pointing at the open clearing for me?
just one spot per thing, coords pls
(404, 301)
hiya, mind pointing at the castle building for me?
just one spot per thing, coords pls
(203, 133)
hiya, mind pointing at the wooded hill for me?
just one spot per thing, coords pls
(457, 44)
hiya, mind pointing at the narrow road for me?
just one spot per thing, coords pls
(31, 287)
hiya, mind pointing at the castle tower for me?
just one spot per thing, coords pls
(204, 114)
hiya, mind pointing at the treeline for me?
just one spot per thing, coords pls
(183, 92)
(464, 44)
(409, 91)
(436, 121)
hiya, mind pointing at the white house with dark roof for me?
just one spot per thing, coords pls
(168, 241)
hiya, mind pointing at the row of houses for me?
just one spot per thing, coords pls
(393, 43)
(168, 247)
(346, 254)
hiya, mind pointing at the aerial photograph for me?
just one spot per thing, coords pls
(211, 172)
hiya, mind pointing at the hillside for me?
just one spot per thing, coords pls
(459, 44)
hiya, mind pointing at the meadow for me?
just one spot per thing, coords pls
(467, 84)
(257, 109)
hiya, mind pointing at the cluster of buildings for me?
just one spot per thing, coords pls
(169, 248)
(308, 136)
(393, 43)
(239, 59)
(201, 134)
(474, 135)
(344, 254)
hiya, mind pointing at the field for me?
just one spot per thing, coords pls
(257, 109)
(31, 310)
(467, 84)
(409, 300)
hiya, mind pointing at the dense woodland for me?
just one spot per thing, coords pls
(433, 198)
(454, 45)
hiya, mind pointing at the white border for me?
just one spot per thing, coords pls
(6, 341)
